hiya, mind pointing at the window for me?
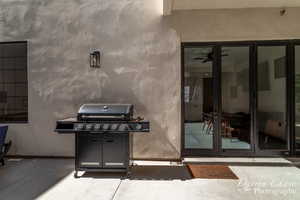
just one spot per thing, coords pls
(13, 82)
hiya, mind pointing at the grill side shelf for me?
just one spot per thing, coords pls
(64, 127)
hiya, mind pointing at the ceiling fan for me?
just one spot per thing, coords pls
(208, 56)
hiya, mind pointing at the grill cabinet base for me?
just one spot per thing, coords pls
(103, 152)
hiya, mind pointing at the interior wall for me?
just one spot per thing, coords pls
(194, 108)
(273, 99)
(140, 64)
(240, 102)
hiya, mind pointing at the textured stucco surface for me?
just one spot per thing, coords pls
(140, 61)
(236, 24)
(140, 65)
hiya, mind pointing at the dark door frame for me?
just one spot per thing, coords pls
(290, 98)
(293, 106)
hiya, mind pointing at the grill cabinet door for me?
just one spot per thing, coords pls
(89, 150)
(115, 150)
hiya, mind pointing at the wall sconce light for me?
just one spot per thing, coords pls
(282, 11)
(95, 59)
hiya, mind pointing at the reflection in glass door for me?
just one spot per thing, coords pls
(236, 115)
(297, 97)
(198, 98)
(227, 114)
(271, 98)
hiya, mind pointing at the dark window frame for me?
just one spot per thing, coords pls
(14, 119)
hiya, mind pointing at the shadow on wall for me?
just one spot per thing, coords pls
(126, 91)
(139, 53)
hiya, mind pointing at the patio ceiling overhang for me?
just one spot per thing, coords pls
(172, 5)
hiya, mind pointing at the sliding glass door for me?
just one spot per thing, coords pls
(235, 131)
(198, 98)
(216, 99)
(241, 98)
(271, 98)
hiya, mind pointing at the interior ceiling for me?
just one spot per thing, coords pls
(235, 55)
(227, 4)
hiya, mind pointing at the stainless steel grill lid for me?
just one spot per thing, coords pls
(93, 111)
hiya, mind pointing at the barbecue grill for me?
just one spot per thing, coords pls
(102, 136)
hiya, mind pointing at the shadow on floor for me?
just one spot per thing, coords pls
(171, 172)
(103, 175)
(147, 173)
(29, 178)
(295, 161)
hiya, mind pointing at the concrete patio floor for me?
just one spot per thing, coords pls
(53, 179)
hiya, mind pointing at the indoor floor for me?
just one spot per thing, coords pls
(29, 179)
(198, 135)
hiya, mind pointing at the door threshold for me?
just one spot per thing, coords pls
(253, 160)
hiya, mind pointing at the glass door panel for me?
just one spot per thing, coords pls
(271, 97)
(198, 98)
(236, 115)
(297, 97)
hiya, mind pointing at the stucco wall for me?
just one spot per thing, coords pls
(140, 62)
(236, 24)
(140, 65)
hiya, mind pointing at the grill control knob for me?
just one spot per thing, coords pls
(123, 127)
(114, 127)
(105, 127)
(97, 127)
(79, 127)
(138, 127)
(89, 126)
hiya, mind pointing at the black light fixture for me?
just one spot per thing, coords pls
(282, 11)
(95, 59)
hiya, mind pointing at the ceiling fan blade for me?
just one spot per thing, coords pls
(206, 60)
(225, 50)
(198, 58)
